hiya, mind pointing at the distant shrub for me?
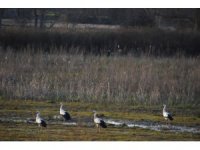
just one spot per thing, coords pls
(104, 42)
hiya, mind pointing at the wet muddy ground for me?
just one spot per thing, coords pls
(87, 122)
(17, 123)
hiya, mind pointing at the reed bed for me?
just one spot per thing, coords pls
(59, 75)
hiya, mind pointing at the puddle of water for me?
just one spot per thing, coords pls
(13, 119)
(113, 122)
(117, 123)
(64, 123)
(153, 126)
(32, 121)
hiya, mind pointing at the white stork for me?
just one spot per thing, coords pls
(65, 114)
(167, 115)
(99, 122)
(39, 120)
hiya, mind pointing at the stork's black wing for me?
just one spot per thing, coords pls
(103, 124)
(67, 116)
(170, 117)
(43, 123)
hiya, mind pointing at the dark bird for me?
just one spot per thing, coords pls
(167, 115)
(65, 114)
(99, 122)
(39, 120)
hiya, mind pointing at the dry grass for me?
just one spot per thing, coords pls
(60, 76)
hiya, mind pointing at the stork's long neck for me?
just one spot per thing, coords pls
(95, 115)
(164, 108)
(38, 115)
(61, 106)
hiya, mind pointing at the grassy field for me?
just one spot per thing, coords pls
(127, 74)
(121, 87)
(24, 132)
(21, 131)
(118, 79)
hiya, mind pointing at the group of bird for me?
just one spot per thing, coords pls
(41, 123)
(98, 121)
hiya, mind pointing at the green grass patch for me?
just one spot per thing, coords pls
(12, 131)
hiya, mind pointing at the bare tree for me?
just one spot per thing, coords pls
(42, 17)
(35, 13)
(197, 19)
(2, 10)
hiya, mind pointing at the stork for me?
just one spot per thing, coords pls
(39, 120)
(167, 115)
(65, 114)
(99, 122)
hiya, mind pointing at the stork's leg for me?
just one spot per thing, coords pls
(39, 127)
(97, 126)
(168, 123)
(63, 119)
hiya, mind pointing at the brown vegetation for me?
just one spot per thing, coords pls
(61, 76)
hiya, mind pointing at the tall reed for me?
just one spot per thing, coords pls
(59, 75)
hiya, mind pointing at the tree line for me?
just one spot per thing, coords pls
(113, 16)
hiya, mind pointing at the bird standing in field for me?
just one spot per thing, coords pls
(100, 123)
(39, 120)
(66, 115)
(167, 115)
